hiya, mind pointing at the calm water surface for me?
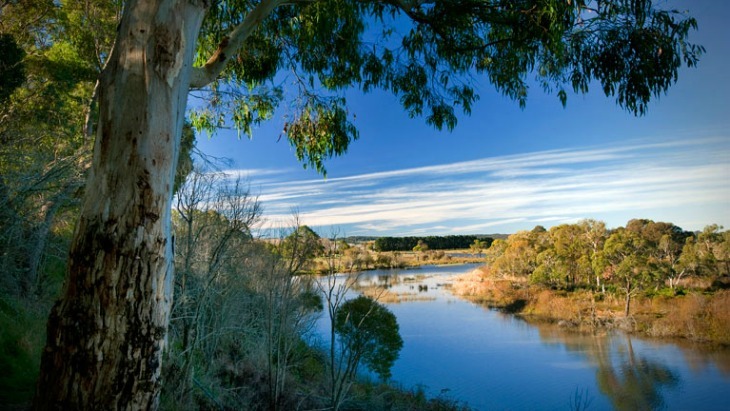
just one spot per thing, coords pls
(494, 361)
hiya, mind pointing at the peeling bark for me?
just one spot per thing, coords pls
(107, 333)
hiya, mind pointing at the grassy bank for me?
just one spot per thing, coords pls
(364, 260)
(695, 314)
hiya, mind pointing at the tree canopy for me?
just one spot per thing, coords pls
(300, 246)
(428, 53)
(640, 256)
(12, 69)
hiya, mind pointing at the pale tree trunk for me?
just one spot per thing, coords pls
(107, 333)
(629, 290)
(674, 281)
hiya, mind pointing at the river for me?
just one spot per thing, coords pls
(495, 361)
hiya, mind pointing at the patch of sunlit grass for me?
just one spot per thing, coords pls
(388, 297)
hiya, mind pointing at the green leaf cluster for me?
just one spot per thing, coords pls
(431, 55)
(43, 149)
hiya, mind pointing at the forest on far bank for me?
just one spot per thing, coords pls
(648, 277)
(431, 242)
(641, 255)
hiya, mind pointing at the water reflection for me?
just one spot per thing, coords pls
(630, 380)
(701, 358)
(394, 286)
(634, 383)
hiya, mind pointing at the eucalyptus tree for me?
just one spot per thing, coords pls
(595, 235)
(47, 74)
(712, 246)
(520, 253)
(478, 246)
(722, 253)
(287, 305)
(625, 260)
(420, 248)
(107, 333)
(572, 252)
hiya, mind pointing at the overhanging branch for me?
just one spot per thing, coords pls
(230, 45)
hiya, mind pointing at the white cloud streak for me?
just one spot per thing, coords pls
(684, 180)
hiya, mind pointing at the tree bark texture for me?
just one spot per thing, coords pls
(107, 333)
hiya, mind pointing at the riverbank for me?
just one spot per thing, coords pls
(447, 341)
(695, 315)
(367, 260)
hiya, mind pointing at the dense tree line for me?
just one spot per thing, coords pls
(449, 242)
(643, 255)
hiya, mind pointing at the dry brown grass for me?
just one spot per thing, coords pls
(557, 306)
(388, 297)
(404, 259)
(695, 283)
(696, 316)
(479, 285)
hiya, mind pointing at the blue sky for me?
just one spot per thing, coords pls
(503, 168)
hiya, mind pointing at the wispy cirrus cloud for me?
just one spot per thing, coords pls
(682, 181)
(259, 174)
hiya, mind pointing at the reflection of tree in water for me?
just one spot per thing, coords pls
(367, 282)
(629, 380)
(394, 288)
(701, 357)
(636, 383)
